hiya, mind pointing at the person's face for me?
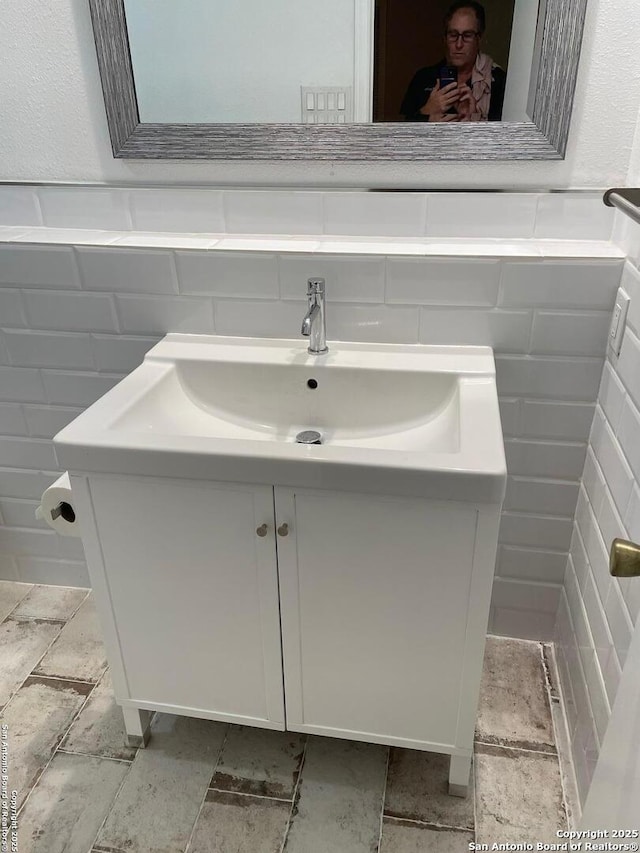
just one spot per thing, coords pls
(461, 53)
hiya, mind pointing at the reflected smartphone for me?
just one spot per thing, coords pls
(447, 74)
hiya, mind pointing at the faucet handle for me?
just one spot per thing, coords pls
(314, 286)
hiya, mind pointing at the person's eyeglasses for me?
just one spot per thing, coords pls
(467, 36)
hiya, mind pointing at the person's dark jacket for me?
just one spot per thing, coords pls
(424, 81)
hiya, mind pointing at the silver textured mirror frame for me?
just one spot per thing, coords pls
(544, 138)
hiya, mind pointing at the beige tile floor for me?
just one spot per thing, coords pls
(207, 787)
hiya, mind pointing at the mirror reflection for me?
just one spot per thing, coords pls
(338, 62)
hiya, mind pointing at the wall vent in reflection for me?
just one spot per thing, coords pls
(326, 104)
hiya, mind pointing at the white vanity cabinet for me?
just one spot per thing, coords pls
(371, 610)
(187, 592)
(385, 605)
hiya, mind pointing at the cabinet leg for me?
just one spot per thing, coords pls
(459, 773)
(137, 724)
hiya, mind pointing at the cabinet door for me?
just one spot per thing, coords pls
(374, 597)
(194, 595)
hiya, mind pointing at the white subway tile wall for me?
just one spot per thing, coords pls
(549, 216)
(597, 613)
(482, 214)
(184, 210)
(66, 207)
(19, 206)
(105, 306)
(383, 214)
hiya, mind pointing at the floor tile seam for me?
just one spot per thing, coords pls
(552, 753)
(475, 796)
(551, 689)
(204, 796)
(384, 798)
(16, 605)
(220, 751)
(89, 591)
(4, 707)
(35, 779)
(64, 751)
(35, 674)
(295, 797)
(56, 743)
(551, 695)
(481, 737)
(108, 850)
(519, 640)
(25, 617)
(432, 823)
(34, 617)
(250, 796)
(81, 708)
(568, 783)
(110, 809)
(65, 619)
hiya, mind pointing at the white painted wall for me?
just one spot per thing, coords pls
(236, 62)
(523, 36)
(54, 126)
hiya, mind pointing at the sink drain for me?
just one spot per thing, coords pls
(309, 436)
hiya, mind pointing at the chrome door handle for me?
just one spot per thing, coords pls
(624, 559)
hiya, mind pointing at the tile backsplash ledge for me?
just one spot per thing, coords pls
(555, 216)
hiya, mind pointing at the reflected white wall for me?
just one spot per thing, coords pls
(523, 36)
(198, 61)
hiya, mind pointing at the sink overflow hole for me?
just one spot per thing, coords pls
(309, 436)
(312, 383)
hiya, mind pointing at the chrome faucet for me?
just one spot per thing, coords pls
(314, 325)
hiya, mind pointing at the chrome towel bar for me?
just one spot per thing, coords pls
(626, 200)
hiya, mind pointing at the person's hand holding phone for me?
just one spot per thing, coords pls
(466, 106)
(440, 102)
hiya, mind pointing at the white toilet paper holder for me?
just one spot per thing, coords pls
(63, 509)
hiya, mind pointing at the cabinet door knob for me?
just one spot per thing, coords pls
(283, 530)
(262, 530)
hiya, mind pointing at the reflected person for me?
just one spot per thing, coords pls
(477, 94)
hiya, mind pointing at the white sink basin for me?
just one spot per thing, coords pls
(401, 419)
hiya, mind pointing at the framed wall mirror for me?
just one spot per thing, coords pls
(350, 80)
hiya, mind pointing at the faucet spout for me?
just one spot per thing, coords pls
(310, 316)
(313, 324)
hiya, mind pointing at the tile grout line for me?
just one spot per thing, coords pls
(37, 664)
(384, 797)
(18, 603)
(501, 745)
(249, 796)
(11, 615)
(65, 751)
(552, 698)
(68, 678)
(475, 794)
(57, 741)
(432, 823)
(113, 801)
(565, 761)
(295, 795)
(204, 797)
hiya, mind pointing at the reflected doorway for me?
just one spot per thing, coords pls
(408, 35)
